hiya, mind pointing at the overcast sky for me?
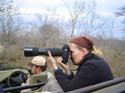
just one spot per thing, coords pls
(37, 6)
(30, 7)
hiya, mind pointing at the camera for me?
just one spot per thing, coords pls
(33, 51)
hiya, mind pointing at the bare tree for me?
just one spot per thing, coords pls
(121, 13)
(50, 35)
(50, 30)
(8, 25)
(75, 10)
(90, 20)
(83, 17)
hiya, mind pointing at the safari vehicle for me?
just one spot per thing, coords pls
(13, 78)
(113, 86)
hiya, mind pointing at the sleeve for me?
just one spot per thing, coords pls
(58, 71)
(1, 89)
(84, 77)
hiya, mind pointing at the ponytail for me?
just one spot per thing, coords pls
(97, 51)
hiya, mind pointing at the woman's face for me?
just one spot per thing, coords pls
(76, 53)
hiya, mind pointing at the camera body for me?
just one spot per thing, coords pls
(33, 51)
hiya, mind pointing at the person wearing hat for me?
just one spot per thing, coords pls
(38, 64)
(38, 67)
(92, 68)
(39, 72)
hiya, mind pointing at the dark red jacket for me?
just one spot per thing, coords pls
(92, 70)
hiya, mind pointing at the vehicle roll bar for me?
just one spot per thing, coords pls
(99, 86)
(11, 89)
(88, 89)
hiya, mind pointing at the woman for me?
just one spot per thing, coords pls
(92, 69)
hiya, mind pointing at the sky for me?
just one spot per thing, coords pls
(39, 6)
(47, 7)
(31, 7)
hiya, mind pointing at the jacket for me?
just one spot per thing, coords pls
(92, 70)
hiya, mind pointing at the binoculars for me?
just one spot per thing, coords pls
(34, 51)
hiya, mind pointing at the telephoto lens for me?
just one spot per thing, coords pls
(33, 51)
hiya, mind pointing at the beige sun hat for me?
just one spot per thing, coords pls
(39, 61)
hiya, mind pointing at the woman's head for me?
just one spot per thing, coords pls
(79, 47)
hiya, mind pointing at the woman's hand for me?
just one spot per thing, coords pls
(59, 61)
(52, 60)
(64, 66)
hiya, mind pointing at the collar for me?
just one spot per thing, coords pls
(88, 56)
